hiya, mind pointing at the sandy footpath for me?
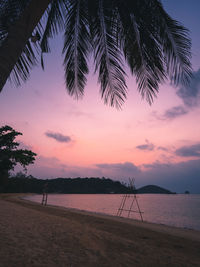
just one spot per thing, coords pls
(33, 235)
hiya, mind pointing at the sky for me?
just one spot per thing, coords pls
(157, 144)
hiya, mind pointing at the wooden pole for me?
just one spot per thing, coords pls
(45, 194)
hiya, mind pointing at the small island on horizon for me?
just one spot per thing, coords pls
(153, 189)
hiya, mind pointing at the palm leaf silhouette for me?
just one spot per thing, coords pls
(138, 32)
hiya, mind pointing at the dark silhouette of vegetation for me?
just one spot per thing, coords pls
(10, 154)
(22, 184)
(28, 184)
(139, 32)
(153, 189)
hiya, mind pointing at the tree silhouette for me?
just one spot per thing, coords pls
(10, 154)
(139, 32)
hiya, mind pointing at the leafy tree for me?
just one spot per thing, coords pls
(10, 154)
(139, 32)
(20, 184)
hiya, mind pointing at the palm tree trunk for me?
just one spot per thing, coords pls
(18, 36)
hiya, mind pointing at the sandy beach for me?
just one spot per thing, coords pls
(34, 235)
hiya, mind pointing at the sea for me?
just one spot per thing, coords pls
(179, 210)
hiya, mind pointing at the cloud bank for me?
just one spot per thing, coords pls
(189, 151)
(119, 170)
(176, 177)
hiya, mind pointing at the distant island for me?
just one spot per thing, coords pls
(153, 189)
(29, 184)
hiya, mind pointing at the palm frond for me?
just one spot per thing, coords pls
(107, 56)
(76, 47)
(29, 56)
(54, 23)
(10, 12)
(152, 43)
(141, 49)
(25, 63)
(176, 46)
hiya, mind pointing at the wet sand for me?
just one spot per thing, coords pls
(34, 235)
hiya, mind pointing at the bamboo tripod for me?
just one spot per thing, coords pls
(133, 197)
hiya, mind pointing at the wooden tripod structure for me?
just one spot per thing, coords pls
(133, 199)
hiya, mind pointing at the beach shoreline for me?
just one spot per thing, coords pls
(39, 235)
(178, 231)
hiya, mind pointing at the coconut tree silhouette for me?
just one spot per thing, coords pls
(139, 32)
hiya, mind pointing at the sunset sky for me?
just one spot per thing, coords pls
(157, 144)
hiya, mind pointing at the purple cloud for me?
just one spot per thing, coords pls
(127, 166)
(175, 112)
(148, 146)
(189, 151)
(162, 148)
(190, 94)
(171, 113)
(59, 137)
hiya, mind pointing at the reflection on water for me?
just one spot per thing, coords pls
(176, 210)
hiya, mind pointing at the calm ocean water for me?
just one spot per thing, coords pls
(175, 210)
